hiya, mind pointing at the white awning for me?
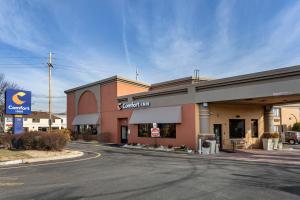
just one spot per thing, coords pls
(156, 115)
(88, 119)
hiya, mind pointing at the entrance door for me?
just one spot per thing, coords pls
(124, 134)
(218, 134)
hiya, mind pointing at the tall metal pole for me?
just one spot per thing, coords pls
(50, 66)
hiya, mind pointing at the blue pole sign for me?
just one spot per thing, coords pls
(18, 125)
(17, 102)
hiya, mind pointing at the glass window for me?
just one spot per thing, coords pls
(237, 128)
(276, 112)
(43, 129)
(24, 119)
(87, 129)
(254, 128)
(166, 130)
(35, 120)
(144, 130)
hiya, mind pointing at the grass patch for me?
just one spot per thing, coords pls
(6, 155)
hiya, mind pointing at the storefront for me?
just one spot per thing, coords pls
(119, 110)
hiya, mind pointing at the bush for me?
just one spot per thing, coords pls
(296, 127)
(270, 135)
(54, 141)
(6, 140)
(27, 140)
(275, 135)
(205, 144)
(267, 135)
(36, 140)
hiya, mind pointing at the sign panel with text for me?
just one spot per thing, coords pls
(17, 102)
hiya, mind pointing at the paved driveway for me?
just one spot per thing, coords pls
(136, 174)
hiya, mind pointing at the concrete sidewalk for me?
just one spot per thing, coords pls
(288, 156)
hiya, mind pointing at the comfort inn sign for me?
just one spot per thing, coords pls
(17, 102)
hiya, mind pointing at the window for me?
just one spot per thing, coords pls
(166, 130)
(87, 129)
(144, 130)
(254, 128)
(24, 119)
(43, 129)
(61, 121)
(34, 120)
(276, 112)
(237, 128)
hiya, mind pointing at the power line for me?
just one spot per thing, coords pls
(46, 96)
(21, 63)
(78, 68)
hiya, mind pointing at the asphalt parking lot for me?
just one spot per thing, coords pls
(136, 174)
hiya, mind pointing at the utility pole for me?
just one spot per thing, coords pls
(50, 66)
(136, 73)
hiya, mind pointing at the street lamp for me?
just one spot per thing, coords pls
(294, 117)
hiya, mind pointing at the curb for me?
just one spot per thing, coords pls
(157, 150)
(85, 142)
(33, 160)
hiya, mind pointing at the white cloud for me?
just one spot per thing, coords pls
(17, 28)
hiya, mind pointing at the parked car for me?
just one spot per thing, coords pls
(292, 137)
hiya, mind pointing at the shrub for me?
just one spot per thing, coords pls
(54, 141)
(267, 135)
(296, 127)
(205, 144)
(270, 135)
(275, 135)
(6, 140)
(27, 140)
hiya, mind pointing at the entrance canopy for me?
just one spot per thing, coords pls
(87, 119)
(170, 114)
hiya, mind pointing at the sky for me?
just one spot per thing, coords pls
(96, 39)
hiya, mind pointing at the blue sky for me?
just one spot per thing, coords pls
(92, 40)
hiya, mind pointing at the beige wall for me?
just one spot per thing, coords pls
(287, 117)
(221, 113)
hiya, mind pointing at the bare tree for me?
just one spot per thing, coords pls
(4, 85)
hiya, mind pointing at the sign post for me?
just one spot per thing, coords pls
(18, 124)
(155, 133)
(17, 103)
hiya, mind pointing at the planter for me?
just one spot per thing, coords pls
(268, 144)
(275, 143)
(199, 146)
(205, 151)
(217, 148)
(280, 146)
(212, 146)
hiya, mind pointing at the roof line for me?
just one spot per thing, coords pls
(109, 80)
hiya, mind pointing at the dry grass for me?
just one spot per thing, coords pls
(6, 155)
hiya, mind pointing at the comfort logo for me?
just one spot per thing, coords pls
(16, 99)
